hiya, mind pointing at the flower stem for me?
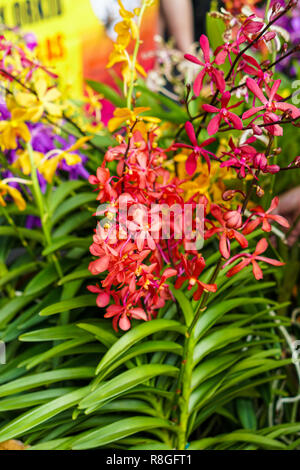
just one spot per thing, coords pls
(183, 388)
(135, 54)
(41, 207)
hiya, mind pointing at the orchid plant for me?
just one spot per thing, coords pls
(139, 274)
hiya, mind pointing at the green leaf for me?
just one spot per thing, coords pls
(246, 413)
(101, 333)
(71, 204)
(216, 311)
(212, 367)
(144, 348)
(136, 334)
(113, 432)
(33, 418)
(80, 274)
(62, 192)
(42, 280)
(65, 242)
(45, 378)
(217, 340)
(25, 232)
(55, 351)
(109, 93)
(18, 272)
(11, 308)
(32, 399)
(123, 382)
(71, 304)
(72, 223)
(185, 305)
(55, 333)
(238, 436)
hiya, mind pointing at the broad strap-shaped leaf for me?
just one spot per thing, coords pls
(218, 339)
(261, 442)
(113, 432)
(185, 305)
(18, 272)
(62, 192)
(70, 304)
(65, 242)
(42, 280)
(54, 333)
(71, 204)
(136, 334)
(123, 382)
(33, 418)
(45, 378)
(217, 310)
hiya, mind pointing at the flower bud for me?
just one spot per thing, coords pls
(256, 130)
(272, 169)
(233, 219)
(259, 191)
(297, 162)
(260, 161)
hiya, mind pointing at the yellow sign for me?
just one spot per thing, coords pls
(65, 29)
(72, 41)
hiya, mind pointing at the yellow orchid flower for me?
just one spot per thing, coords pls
(22, 162)
(119, 55)
(50, 162)
(129, 116)
(17, 197)
(69, 155)
(12, 129)
(126, 29)
(43, 100)
(93, 100)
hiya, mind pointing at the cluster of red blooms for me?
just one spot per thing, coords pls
(133, 251)
(131, 242)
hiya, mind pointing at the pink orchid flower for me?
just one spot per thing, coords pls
(191, 163)
(226, 49)
(223, 114)
(208, 69)
(270, 106)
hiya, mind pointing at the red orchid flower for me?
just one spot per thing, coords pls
(192, 270)
(263, 217)
(261, 246)
(226, 49)
(240, 156)
(260, 162)
(252, 25)
(270, 105)
(230, 118)
(103, 296)
(103, 182)
(252, 67)
(229, 223)
(122, 314)
(208, 69)
(160, 290)
(191, 163)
